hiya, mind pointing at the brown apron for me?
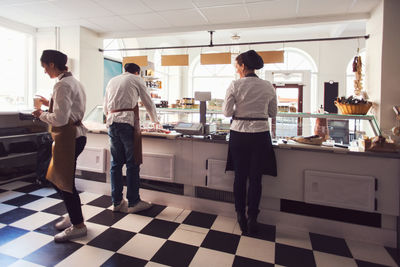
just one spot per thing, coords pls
(137, 136)
(61, 171)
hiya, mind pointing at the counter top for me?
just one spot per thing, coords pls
(293, 146)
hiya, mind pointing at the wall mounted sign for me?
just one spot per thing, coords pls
(175, 60)
(139, 60)
(215, 58)
(271, 56)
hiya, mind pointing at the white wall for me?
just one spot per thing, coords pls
(390, 93)
(91, 67)
(374, 58)
(383, 62)
(84, 60)
(45, 39)
(69, 44)
(331, 59)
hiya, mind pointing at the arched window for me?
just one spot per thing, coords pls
(214, 78)
(294, 59)
(298, 68)
(350, 76)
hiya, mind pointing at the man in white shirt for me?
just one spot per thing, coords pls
(121, 98)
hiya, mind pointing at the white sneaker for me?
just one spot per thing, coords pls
(141, 205)
(70, 233)
(63, 224)
(122, 206)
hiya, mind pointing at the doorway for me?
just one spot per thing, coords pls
(290, 99)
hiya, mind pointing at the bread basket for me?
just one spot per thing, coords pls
(355, 109)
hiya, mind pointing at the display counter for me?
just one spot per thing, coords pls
(330, 190)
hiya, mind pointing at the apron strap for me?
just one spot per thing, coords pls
(249, 119)
(123, 109)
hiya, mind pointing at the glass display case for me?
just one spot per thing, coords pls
(339, 128)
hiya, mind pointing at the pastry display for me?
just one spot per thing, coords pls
(380, 144)
(309, 140)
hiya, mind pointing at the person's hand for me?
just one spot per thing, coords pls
(44, 101)
(37, 113)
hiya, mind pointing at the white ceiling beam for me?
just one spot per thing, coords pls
(241, 25)
(338, 30)
(17, 26)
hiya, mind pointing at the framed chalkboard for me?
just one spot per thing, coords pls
(112, 68)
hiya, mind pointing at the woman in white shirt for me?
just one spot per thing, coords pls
(66, 110)
(250, 101)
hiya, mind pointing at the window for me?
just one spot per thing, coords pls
(214, 78)
(163, 73)
(298, 68)
(15, 69)
(350, 76)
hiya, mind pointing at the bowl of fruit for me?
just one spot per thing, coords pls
(352, 105)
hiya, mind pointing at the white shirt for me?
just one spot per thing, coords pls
(69, 102)
(123, 92)
(250, 97)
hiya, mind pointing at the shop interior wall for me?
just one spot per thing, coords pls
(374, 58)
(45, 39)
(390, 93)
(91, 67)
(84, 61)
(331, 59)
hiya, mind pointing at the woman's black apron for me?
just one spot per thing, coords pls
(266, 152)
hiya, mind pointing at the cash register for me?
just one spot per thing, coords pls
(198, 128)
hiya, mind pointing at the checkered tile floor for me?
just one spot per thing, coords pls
(161, 236)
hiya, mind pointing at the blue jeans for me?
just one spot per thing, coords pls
(121, 139)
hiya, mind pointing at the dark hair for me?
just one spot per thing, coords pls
(132, 68)
(53, 56)
(251, 60)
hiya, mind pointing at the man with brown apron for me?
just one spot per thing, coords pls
(250, 101)
(66, 110)
(121, 108)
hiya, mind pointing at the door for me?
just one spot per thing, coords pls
(290, 99)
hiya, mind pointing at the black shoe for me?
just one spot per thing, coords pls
(242, 220)
(252, 225)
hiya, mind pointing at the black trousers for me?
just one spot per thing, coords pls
(72, 200)
(247, 151)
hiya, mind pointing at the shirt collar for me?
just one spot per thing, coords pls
(64, 74)
(251, 75)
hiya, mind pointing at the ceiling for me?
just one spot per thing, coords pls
(138, 18)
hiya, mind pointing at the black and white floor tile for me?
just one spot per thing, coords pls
(160, 236)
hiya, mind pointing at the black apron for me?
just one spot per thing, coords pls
(265, 152)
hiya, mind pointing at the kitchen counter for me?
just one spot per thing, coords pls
(280, 145)
(333, 177)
